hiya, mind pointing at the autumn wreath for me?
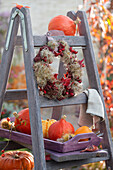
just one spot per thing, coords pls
(48, 83)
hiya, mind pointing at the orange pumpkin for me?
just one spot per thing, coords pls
(13, 160)
(60, 128)
(22, 121)
(63, 23)
(83, 129)
(45, 126)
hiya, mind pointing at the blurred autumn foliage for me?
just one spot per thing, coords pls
(100, 20)
(17, 78)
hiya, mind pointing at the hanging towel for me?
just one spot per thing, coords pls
(93, 111)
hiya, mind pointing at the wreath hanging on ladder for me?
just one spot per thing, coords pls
(48, 83)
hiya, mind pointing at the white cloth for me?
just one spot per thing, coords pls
(93, 111)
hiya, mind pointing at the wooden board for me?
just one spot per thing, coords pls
(76, 41)
(45, 102)
(76, 155)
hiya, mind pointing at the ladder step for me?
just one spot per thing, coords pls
(77, 155)
(74, 163)
(45, 102)
(79, 99)
(75, 41)
(16, 94)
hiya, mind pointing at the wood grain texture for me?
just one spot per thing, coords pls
(76, 41)
(33, 96)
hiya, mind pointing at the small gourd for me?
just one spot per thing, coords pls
(45, 126)
(81, 130)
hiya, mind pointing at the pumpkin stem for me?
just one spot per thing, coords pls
(16, 156)
(15, 115)
(64, 117)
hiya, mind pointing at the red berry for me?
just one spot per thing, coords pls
(2, 113)
(48, 157)
(50, 62)
(22, 123)
(3, 155)
(72, 94)
(45, 60)
(2, 151)
(45, 91)
(8, 119)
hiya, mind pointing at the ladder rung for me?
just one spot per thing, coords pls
(75, 41)
(18, 94)
(79, 99)
(44, 102)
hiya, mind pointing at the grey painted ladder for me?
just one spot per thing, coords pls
(28, 41)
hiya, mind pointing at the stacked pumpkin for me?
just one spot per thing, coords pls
(63, 23)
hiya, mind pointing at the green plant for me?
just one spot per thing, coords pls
(8, 109)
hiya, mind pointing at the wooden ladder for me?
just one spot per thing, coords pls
(35, 102)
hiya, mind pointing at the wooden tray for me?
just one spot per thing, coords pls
(73, 144)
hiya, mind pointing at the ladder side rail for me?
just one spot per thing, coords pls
(93, 77)
(33, 96)
(7, 57)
